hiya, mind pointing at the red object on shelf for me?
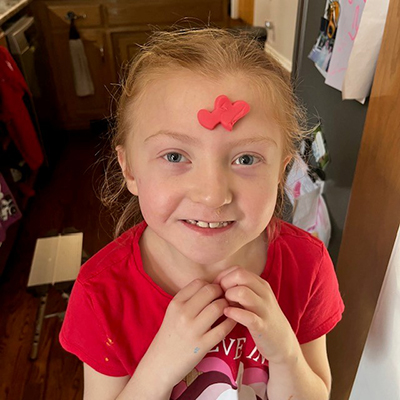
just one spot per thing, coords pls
(14, 112)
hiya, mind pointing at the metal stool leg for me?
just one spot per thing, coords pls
(38, 326)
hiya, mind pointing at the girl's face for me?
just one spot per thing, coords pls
(183, 172)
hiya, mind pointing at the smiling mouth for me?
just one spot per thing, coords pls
(212, 225)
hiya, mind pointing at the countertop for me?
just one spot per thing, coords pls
(9, 8)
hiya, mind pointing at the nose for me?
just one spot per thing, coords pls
(211, 186)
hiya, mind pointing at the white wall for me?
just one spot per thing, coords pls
(283, 15)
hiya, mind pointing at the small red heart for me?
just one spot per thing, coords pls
(236, 111)
(224, 112)
(208, 119)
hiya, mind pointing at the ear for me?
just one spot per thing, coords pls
(129, 178)
(285, 163)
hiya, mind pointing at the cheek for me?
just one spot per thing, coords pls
(260, 199)
(265, 197)
(156, 199)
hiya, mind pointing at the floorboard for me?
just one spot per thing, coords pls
(65, 199)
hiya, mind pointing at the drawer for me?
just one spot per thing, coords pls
(165, 13)
(90, 13)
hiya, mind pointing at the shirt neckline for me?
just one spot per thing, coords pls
(139, 263)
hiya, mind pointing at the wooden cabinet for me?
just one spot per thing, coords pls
(75, 112)
(74, 109)
(89, 15)
(125, 46)
(110, 31)
(165, 12)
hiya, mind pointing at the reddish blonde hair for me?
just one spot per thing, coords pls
(207, 52)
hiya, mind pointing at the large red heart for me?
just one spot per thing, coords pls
(224, 112)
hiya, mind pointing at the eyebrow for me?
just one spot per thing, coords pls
(194, 141)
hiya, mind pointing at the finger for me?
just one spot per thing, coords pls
(242, 277)
(247, 318)
(202, 298)
(189, 290)
(211, 313)
(219, 333)
(245, 297)
(223, 273)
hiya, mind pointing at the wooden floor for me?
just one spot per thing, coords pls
(65, 198)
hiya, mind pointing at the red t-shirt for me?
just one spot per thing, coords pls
(115, 310)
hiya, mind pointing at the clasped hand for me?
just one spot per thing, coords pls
(253, 304)
(189, 329)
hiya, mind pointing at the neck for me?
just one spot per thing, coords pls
(172, 271)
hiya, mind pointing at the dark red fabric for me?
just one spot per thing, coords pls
(115, 308)
(14, 113)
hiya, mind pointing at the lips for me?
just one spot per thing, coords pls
(205, 224)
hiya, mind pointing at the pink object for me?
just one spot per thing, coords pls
(224, 112)
(297, 190)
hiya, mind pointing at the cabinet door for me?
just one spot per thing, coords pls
(76, 112)
(164, 13)
(126, 46)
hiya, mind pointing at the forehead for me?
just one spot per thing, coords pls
(173, 101)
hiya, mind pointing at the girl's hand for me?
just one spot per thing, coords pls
(185, 335)
(259, 311)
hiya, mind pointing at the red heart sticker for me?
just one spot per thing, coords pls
(225, 112)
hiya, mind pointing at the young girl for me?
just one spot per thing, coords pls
(211, 295)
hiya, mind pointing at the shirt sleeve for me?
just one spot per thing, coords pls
(82, 335)
(325, 305)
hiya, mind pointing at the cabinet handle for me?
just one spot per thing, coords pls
(102, 52)
(71, 15)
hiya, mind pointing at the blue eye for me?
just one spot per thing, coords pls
(246, 159)
(174, 157)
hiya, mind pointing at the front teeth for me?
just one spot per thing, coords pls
(202, 224)
(212, 225)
